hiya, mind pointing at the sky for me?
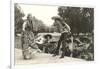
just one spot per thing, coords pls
(41, 12)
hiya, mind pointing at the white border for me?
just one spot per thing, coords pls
(55, 3)
(79, 3)
(12, 34)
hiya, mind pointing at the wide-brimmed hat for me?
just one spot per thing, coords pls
(85, 39)
(48, 35)
(57, 18)
(29, 15)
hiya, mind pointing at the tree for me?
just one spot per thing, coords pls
(38, 25)
(79, 19)
(18, 18)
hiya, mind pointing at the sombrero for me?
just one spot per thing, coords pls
(57, 18)
(84, 39)
(47, 35)
(29, 15)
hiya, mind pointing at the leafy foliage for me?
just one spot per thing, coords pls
(79, 19)
(18, 18)
(38, 25)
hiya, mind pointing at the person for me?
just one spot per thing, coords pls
(65, 36)
(47, 43)
(87, 52)
(28, 25)
(77, 48)
(27, 38)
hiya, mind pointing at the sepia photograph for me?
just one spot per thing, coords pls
(46, 34)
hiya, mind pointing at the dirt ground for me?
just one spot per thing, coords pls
(39, 58)
(42, 58)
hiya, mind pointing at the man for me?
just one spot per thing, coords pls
(65, 36)
(47, 43)
(28, 37)
(28, 25)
